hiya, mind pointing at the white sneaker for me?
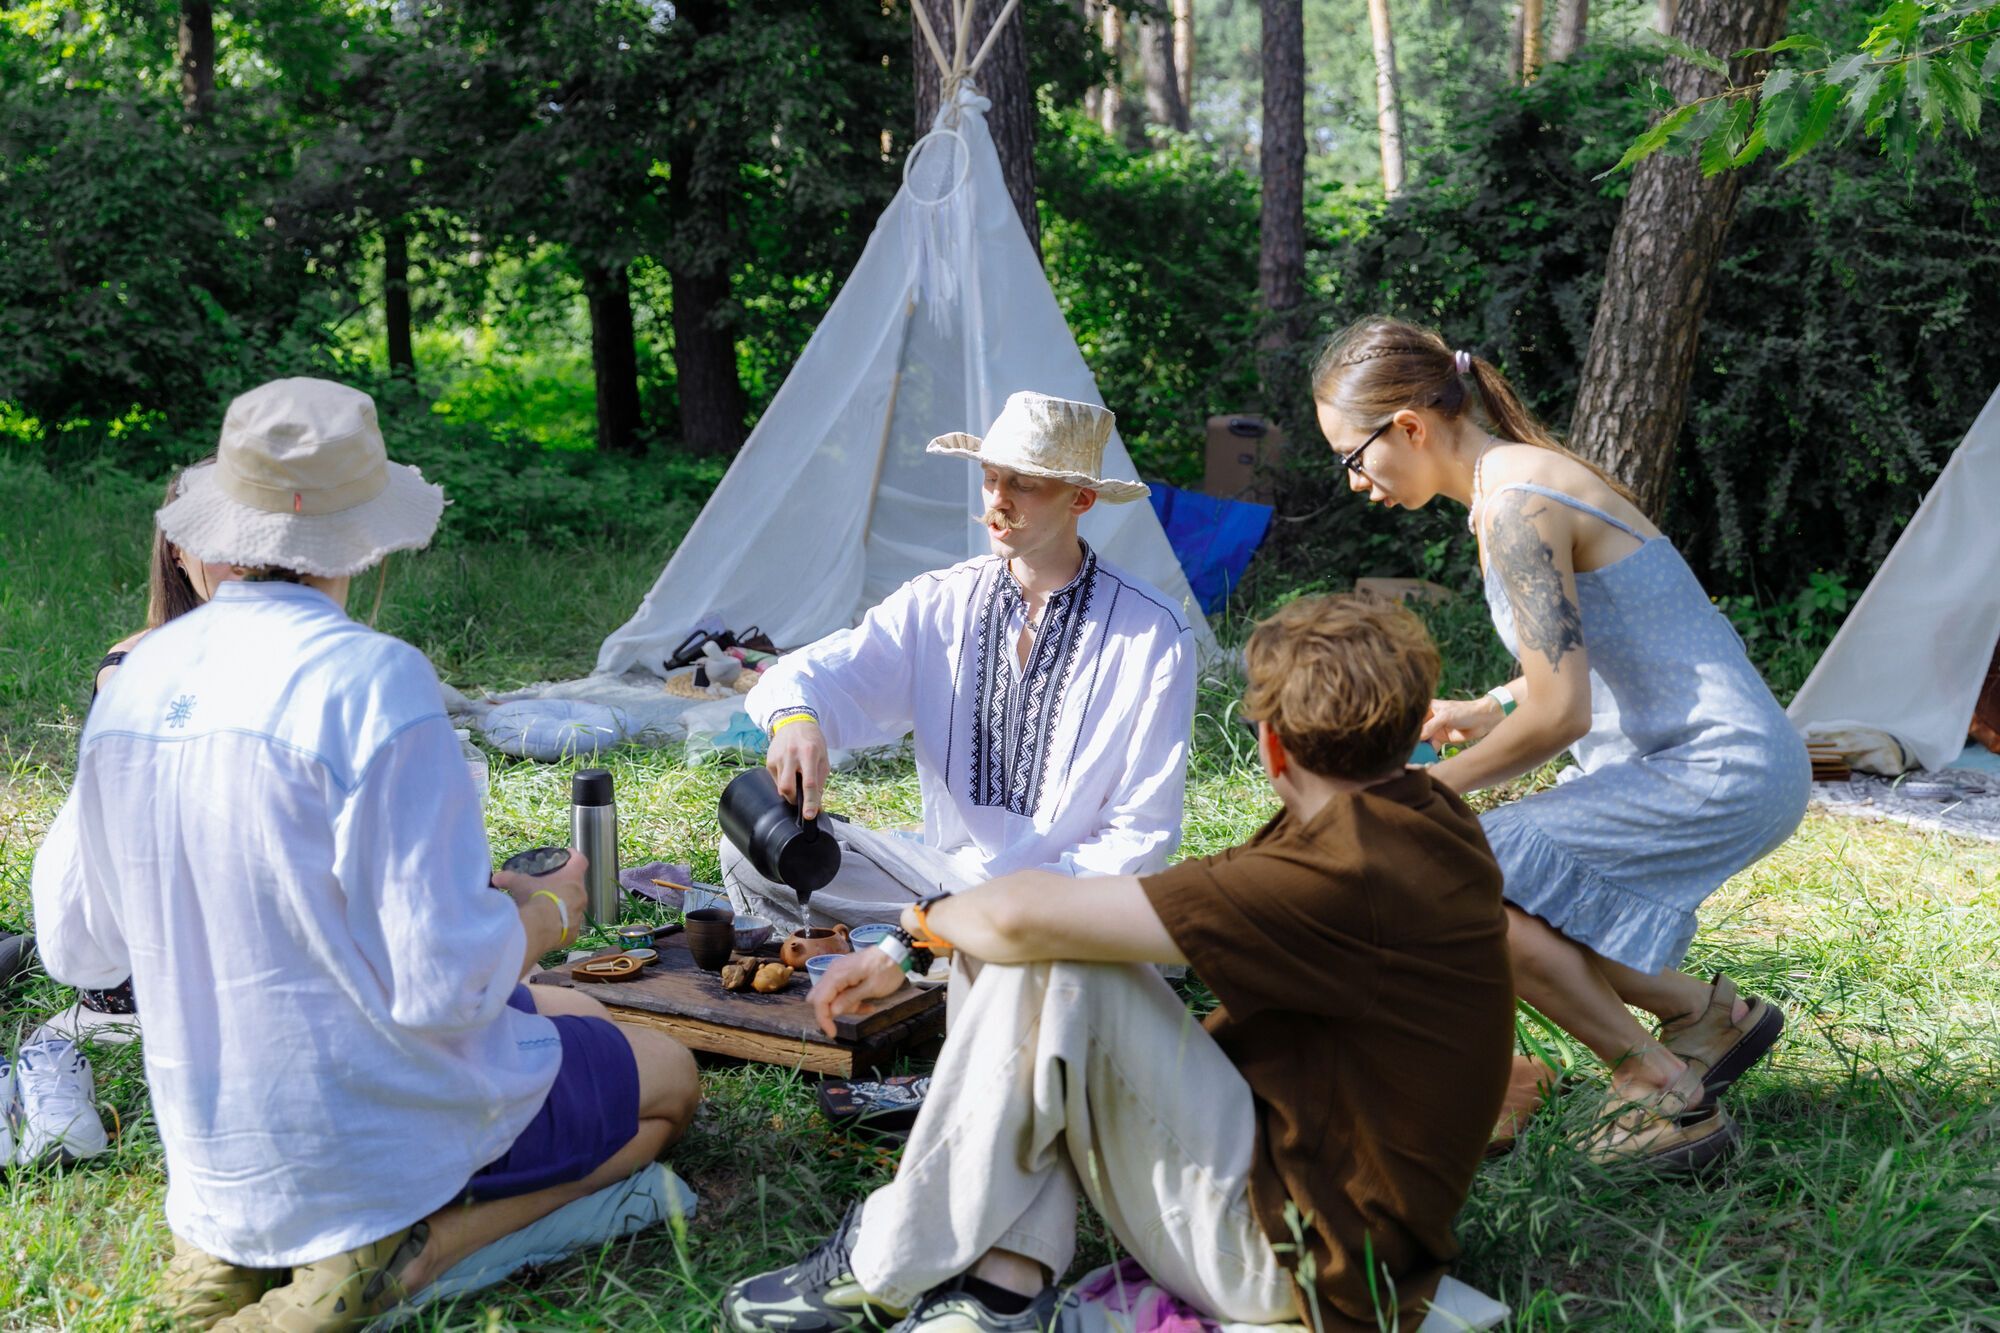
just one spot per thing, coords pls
(10, 1098)
(58, 1104)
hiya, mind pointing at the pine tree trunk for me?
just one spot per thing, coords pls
(713, 405)
(1388, 104)
(396, 298)
(614, 359)
(1572, 26)
(1111, 98)
(1184, 52)
(1632, 398)
(197, 58)
(1003, 78)
(1281, 263)
(1163, 85)
(1531, 39)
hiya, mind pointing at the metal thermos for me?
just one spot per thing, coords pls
(593, 830)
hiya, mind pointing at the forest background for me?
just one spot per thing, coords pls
(574, 248)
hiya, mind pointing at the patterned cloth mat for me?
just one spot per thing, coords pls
(1963, 801)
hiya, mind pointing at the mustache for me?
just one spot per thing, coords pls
(995, 518)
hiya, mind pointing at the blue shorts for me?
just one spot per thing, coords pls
(592, 1111)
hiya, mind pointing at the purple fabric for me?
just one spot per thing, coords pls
(592, 1111)
(1125, 1288)
(638, 880)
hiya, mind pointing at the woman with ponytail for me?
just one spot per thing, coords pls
(1687, 770)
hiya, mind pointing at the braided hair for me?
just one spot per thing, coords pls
(1378, 366)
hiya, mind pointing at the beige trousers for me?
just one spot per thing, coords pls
(880, 875)
(1064, 1076)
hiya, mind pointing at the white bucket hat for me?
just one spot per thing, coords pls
(301, 481)
(1047, 437)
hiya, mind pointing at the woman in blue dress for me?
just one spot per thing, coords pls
(1686, 768)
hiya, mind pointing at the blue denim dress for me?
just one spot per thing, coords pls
(1689, 773)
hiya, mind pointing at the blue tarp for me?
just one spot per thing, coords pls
(1213, 539)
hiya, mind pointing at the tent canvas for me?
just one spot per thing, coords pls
(1914, 651)
(833, 503)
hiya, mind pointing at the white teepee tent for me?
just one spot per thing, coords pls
(833, 502)
(1914, 651)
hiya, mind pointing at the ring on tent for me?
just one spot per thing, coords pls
(964, 165)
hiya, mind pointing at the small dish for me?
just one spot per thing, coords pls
(644, 956)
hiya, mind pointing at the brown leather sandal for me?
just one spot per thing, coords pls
(1718, 1045)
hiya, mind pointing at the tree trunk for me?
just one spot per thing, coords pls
(1531, 39)
(1281, 262)
(1633, 394)
(1669, 15)
(1184, 51)
(197, 58)
(1163, 85)
(1572, 26)
(1516, 33)
(1003, 78)
(614, 358)
(1388, 104)
(712, 401)
(1111, 100)
(396, 298)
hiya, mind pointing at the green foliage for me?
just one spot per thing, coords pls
(1842, 356)
(1166, 329)
(1922, 66)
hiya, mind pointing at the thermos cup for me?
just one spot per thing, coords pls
(593, 830)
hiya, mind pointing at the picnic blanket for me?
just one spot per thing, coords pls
(1962, 800)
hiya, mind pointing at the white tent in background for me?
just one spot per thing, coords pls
(833, 502)
(1914, 651)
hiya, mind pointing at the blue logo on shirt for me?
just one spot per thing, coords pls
(179, 711)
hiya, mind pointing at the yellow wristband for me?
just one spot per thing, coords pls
(782, 723)
(562, 912)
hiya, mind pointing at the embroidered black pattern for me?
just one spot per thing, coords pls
(1014, 720)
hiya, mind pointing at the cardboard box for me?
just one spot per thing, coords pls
(1242, 451)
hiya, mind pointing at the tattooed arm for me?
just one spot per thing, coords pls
(1529, 542)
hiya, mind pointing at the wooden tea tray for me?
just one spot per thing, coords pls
(689, 1004)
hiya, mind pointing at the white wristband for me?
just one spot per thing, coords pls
(895, 948)
(1503, 696)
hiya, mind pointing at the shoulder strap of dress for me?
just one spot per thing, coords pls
(1548, 493)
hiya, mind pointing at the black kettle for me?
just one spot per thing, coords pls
(766, 827)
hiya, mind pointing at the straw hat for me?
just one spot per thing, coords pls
(301, 481)
(1047, 437)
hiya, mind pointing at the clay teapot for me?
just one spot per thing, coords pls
(803, 944)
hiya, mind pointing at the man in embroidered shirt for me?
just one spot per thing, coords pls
(274, 834)
(1050, 694)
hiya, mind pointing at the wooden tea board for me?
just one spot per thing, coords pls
(689, 1004)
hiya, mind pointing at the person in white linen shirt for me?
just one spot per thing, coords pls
(1050, 695)
(273, 832)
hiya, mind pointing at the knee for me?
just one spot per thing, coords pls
(669, 1081)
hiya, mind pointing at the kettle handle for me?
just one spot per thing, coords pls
(810, 826)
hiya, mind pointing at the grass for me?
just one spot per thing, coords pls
(1868, 1197)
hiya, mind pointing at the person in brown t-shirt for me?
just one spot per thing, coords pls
(1335, 1106)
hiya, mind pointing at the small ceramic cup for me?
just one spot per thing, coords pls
(862, 937)
(817, 965)
(711, 937)
(635, 937)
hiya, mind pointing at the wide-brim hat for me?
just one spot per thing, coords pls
(301, 481)
(1047, 437)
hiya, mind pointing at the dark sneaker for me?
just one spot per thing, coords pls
(953, 1309)
(818, 1294)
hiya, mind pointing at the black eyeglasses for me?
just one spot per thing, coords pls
(1250, 723)
(1352, 461)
